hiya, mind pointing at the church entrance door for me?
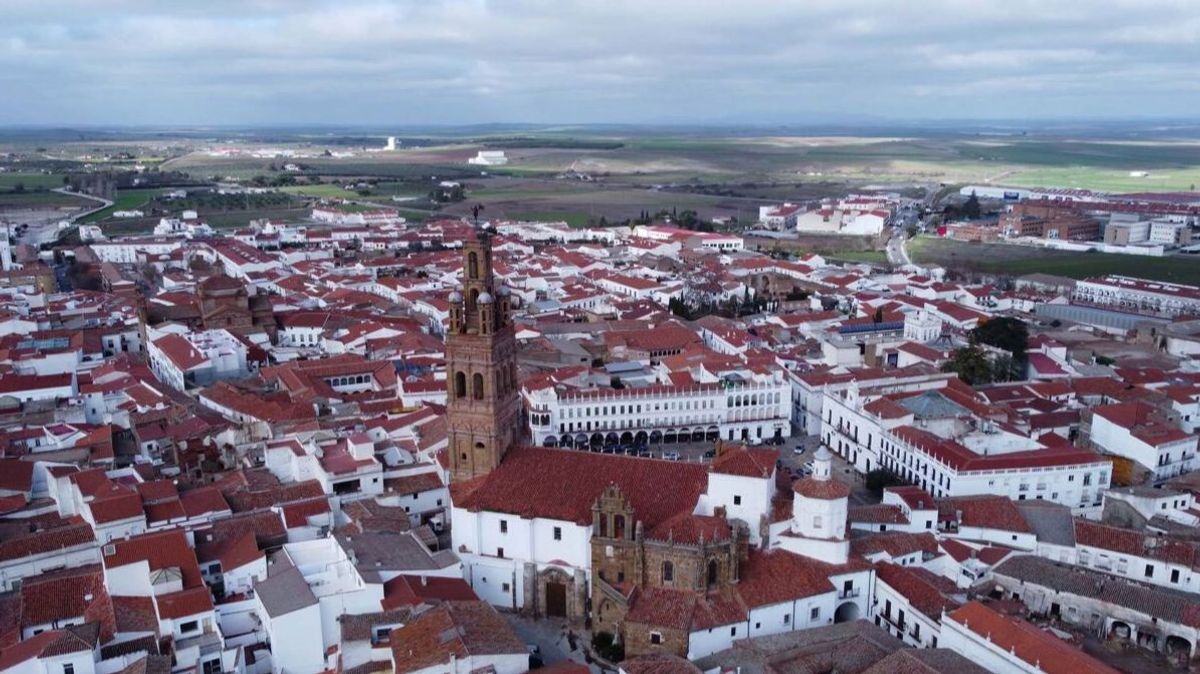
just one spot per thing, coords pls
(556, 600)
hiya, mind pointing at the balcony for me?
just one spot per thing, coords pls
(849, 594)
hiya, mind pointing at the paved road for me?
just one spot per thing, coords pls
(552, 640)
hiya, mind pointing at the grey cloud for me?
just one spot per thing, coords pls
(464, 61)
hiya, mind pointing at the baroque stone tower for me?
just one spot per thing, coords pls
(483, 401)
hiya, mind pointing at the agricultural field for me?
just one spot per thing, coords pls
(30, 181)
(793, 163)
(126, 200)
(1014, 260)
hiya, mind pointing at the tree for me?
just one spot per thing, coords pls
(971, 365)
(879, 479)
(1005, 332)
(1006, 368)
(970, 209)
(616, 383)
(19, 188)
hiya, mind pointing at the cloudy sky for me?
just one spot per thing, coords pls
(576, 61)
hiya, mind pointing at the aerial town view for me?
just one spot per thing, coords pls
(471, 337)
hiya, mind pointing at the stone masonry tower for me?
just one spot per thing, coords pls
(483, 400)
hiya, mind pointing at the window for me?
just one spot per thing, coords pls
(500, 553)
(504, 526)
(189, 626)
(1174, 575)
(477, 386)
(737, 500)
(815, 613)
(733, 631)
(558, 533)
(668, 572)
(787, 619)
(504, 587)
(68, 668)
(460, 385)
(211, 666)
(655, 638)
(1149, 570)
(712, 572)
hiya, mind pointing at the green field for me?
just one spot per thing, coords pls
(39, 200)
(875, 257)
(126, 200)
(572, 218)
(31, 181)
(1013, 260)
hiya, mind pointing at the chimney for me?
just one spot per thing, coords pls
(424, 580)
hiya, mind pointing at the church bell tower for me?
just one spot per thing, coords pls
(483, 398)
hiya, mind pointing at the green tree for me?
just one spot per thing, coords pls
(970, 209)
(1004, 332)
(881, 478)
(616, 383)
(971, 365)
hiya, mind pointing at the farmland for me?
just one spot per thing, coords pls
(126, 200)
(1014, 260)
(29, 181)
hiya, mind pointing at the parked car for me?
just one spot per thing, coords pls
(671, 456)
(798, 450)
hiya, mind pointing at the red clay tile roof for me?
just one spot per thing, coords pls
(413, 484)
(825, 490)
(455, 629)
(563, 485)
(184, 603)
(135, 614)
(877, 513)
(52, 642)
(16, 475)
(777, 576)
(658, 663)
(67, 594)
(688, 529)
(894, 543)
(1030, 644)
(684, 609)
(985, 512)
(1136, 543)
(116, 508)
(746, 462)
(203, 500)
(928, 593)
(54, 535)
(296, 513)
(160, 550)
(961, 458)
(411, 590)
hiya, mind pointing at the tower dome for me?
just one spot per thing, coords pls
(485, 298)
(455, 296)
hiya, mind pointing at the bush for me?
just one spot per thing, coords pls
(605, 645)
(881, 478)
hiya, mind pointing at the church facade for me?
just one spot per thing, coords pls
(670, 557)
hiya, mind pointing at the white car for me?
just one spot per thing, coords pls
(671, 456)
(798, 450)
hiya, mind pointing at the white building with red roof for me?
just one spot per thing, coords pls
(948, 441)
(1141, 433)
